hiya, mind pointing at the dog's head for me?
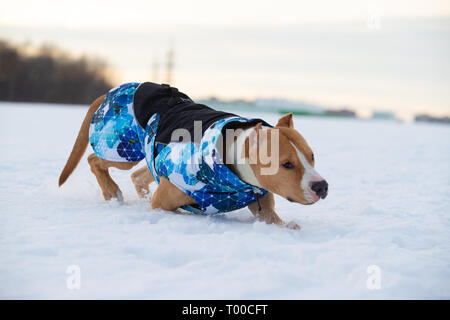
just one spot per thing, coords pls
(283, 163)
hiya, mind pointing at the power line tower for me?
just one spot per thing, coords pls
(170, 65)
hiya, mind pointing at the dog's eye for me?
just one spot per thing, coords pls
(288, 165)
(312, 157)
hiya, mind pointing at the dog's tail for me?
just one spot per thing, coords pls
(81, 143)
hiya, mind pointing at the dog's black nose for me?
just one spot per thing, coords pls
(320, 188)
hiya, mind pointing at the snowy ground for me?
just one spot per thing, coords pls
(389, 206)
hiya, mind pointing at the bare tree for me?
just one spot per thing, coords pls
(50, 75)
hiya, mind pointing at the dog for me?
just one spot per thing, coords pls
(231, 163)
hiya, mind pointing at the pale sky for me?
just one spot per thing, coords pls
(134, 13)
(387, 55)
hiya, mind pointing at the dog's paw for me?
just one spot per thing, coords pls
(113, 194)
(292, 225)
(119, 196)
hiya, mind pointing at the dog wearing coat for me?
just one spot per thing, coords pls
(203, 160)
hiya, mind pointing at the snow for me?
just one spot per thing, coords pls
(388, 206)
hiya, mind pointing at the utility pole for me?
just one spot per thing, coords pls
(155, 69)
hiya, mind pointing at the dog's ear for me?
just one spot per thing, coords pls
(286, 121)
(253, 138)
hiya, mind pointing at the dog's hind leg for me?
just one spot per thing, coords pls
(99, 168)
(169, 197)
(141, 179)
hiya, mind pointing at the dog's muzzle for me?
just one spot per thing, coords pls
(320, 188)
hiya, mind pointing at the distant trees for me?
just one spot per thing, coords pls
(49, 75)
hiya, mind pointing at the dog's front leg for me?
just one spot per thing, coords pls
(168, 197)
(141, 179)
(267, 212)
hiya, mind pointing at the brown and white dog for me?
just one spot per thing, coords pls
(294, 177)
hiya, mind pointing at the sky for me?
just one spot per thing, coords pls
(366, 55)
(135, 14)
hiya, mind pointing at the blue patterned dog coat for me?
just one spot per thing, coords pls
(135, 121)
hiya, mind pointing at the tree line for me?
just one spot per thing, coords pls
(48, 74)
